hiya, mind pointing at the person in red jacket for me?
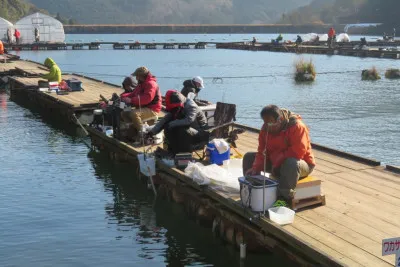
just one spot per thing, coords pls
(145, 99)
(331, 36)
(17, 35)
(284, 149)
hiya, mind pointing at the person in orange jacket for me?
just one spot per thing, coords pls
(1, 48)
(284, 149)
(331, 36)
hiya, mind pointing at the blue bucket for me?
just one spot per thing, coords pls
(215, 156)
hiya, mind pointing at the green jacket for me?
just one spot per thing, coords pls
(55, 73)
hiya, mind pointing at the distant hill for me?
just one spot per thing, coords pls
(13, 10)
(346, 11)
(171, 11)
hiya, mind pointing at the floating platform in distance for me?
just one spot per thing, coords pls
(343, 50)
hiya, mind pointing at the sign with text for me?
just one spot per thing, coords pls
(391, 246)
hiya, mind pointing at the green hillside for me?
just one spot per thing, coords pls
(171, 11)
(346, 11)
(13, 10)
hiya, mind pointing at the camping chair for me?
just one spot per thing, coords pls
(224, 118)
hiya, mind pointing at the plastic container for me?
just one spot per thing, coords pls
(147, 164)
(74, 84)
(281, 215)
(215, 156)
(251, 192)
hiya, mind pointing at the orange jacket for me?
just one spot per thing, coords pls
(1, 48)
(292, 142)
(331, 32)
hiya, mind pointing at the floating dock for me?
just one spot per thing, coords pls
(362, 201)
(314, 49)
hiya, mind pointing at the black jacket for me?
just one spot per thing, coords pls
(189, 87)
(192, 116)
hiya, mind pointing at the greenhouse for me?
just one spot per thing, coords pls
(4, 26)
(40, 28)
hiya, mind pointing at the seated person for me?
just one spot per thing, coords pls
(279, 38)
(299, 40)
(55, 73)
(129, 84)
(145, 100)
(285, 149)
(192, 86)
(254, 41)
(184, 125)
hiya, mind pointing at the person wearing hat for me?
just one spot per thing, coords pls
(184, 124)
(145, 99)
(192, 86)
(129, 84)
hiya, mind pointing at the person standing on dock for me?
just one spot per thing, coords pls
(192, 86)
(331, 36)
(284, 149)
(17, 36)
(145, 99)
(55, 73)
(9, 36)
(254, 41)
(37, 34)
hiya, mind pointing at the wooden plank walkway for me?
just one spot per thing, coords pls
(80, 100)
(22, 67)
(362, 208)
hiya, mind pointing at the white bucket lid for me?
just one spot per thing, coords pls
(98, 112)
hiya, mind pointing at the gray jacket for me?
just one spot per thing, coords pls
(193, 117)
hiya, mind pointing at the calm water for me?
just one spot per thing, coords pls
(65, 206)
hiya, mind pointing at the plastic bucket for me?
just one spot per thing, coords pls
(147, 165)
(281, 215)
(251, 194)
(215, 156)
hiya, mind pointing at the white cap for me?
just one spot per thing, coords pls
(199, 80)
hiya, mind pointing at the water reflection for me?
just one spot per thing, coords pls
(161, 228)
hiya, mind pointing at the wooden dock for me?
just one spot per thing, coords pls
(98, 45)
(314, 49)
(362, 200)
(362, 207)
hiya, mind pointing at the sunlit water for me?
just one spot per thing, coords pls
(342, 111)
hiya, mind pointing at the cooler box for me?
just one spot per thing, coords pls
(74, 84)
(251, 192)
(215, 157)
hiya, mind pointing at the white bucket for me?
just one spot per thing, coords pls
(252, 195)
(148, 165)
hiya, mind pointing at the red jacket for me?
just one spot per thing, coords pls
(17, 34)
(331, 32)
(293, 142)
(149, 94)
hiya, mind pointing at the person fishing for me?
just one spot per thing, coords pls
(299, 40)
(145, 99)
(54, 74)
(129, 84)
(192, 86)
(184, 125)
(1, 48)
(279, 38)
(254, 41)
(284, 149)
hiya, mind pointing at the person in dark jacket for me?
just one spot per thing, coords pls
(184, 125)
(129, 84)
(192, 86)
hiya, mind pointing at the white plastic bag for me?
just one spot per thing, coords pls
(194, 171)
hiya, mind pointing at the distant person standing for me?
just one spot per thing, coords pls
(37, 34)
(9, 36)
(17, 35)
(1, 48)
(394, 33)
(331, 36)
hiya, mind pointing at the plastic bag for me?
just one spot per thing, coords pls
(194, 171)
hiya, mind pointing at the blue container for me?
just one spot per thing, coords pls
(74, 84)
(215, 157)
